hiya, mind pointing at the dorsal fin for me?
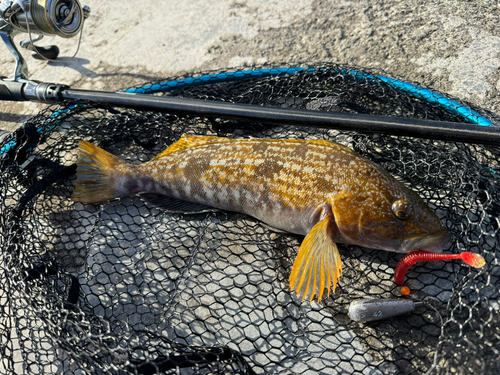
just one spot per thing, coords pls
(188, 141)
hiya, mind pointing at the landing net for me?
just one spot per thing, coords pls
(124, 288)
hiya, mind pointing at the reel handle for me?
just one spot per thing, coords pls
(48, 52)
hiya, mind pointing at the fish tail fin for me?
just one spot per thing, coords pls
(95, 174)
(318, 263)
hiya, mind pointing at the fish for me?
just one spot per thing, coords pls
(314, 188)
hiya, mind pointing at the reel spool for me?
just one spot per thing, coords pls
(49, 17)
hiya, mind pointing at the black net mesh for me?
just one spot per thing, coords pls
(123, 288)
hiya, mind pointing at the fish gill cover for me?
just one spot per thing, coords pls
(124, 288)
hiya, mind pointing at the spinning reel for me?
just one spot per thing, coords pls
(64, 18)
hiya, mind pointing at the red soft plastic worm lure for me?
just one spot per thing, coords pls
(473, 260)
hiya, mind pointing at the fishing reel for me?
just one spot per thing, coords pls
(64, 18)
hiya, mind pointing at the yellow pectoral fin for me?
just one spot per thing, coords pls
(318, 263)
(190, 141)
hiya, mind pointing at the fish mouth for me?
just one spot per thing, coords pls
(434, 242)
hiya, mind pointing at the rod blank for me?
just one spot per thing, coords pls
(448, 131)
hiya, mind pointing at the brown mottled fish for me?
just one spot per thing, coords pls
(314, 188)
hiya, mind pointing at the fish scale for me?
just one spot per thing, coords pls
(314, 188)
(258, 166)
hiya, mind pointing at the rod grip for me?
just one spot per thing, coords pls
(12, 91)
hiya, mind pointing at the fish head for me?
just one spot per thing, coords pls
(386, 215)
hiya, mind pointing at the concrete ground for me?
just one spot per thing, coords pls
(450, 45)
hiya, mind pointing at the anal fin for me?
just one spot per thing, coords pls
(175, 205)
(318, 264)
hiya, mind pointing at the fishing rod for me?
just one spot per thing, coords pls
(448, 131)
(65, 18)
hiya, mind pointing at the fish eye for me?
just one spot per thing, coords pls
(400, 209)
